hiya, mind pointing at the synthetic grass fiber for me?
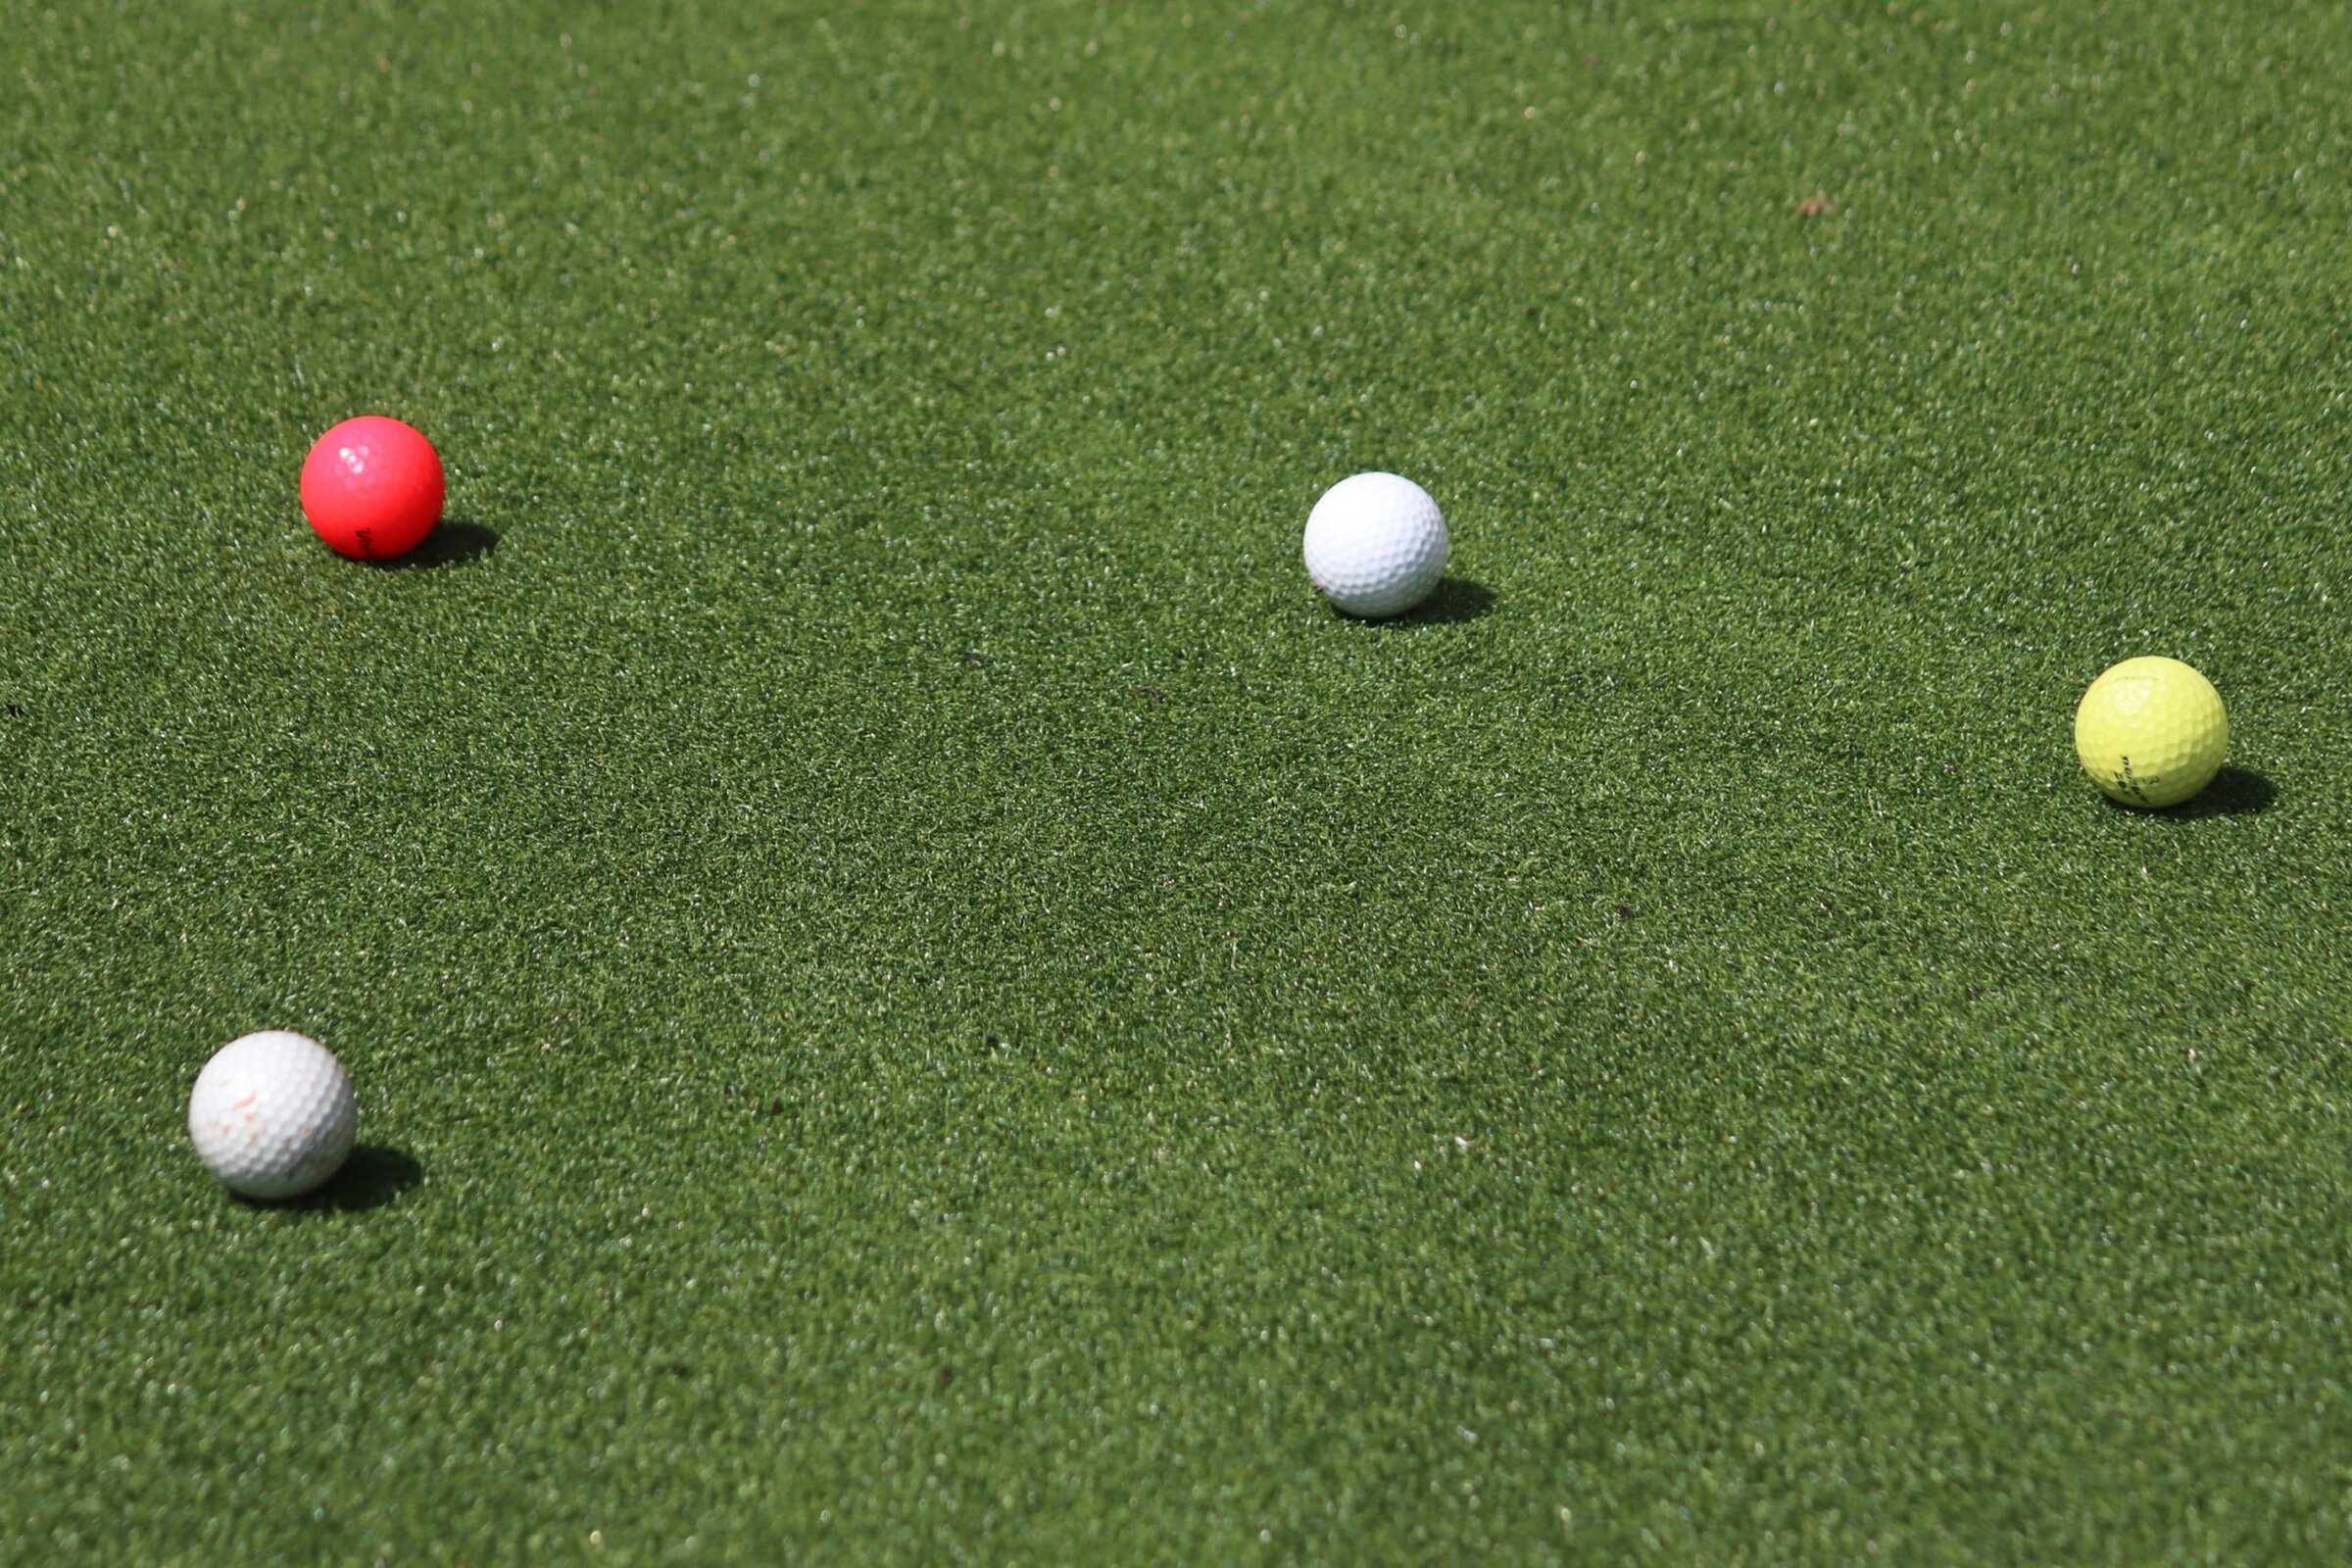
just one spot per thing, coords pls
(916, 997)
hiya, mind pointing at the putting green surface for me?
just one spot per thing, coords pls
(916, 997)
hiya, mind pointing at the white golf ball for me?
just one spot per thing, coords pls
(1376, 544)
(272, 1114)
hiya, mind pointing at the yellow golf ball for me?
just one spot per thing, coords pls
(2151, 732)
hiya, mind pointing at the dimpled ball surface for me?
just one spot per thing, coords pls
(272, 1114)
(1376, 544)
(2151, 732)
(372, 487)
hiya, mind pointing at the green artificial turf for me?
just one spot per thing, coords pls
(917, 998)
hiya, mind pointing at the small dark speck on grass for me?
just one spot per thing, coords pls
(775, 1107)
(1150, 694)
(967, 657)
(2233, 792)
(1972, 992)
(15, 712)
(946, 1375)
(371, 1176)
(452, 544)
(1624, 912)
(679, 1369)
(1456, 600)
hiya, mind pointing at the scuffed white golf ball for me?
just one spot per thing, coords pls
(1376, 544)
(272, 1114)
